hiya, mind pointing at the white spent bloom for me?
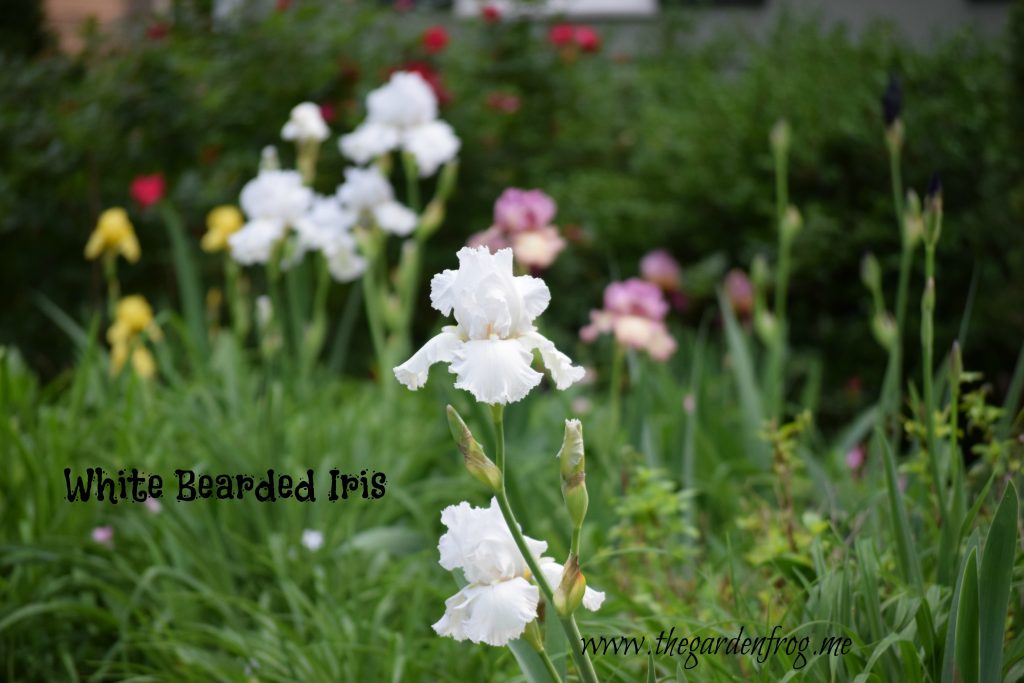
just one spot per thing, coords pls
(306, 123)
(323, 222)
(276, 195)
(490, 349)
(312, 539)
(500, 599)
(432, 144)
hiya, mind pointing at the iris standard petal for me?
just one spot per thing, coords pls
(558, 364)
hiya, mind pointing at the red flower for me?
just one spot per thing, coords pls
(561, 34)
(587, 39)
(491, 14)
(506, 103)
(283, 5)
(158, 30)
(435, 39)
(431, 76)
(327, 111)
(147, 190)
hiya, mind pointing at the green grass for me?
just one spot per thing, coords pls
(224, 590)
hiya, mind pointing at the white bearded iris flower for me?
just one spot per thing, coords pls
(490, 349)
(367, 191)
(272, 201)
(500, 599)
(402, 113)
(327, 228)
(306, 124)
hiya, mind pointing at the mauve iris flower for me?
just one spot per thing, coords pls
(634, 311)
(740, 292)
(522, 222)
(660, 268)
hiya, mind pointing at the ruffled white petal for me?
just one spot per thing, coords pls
(558, 364)
(255, 241)
(395, 218)
(592, 599)
(413, 372)
(478, 542)
(499, 612)
(432, 144)
(443, 292)
(494, 370)
(369, 141)
(535, 293)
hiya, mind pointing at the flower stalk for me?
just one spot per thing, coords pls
(572, 631)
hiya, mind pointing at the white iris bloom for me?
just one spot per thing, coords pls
(272, 201)
(490, 349)
(327, 228)
(402, 113)
(306, 124)
(366, 191)
(500, 599)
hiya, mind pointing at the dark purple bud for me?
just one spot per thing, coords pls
(892, 101)
(934, 188)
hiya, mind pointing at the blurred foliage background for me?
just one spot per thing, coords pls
(659, 141)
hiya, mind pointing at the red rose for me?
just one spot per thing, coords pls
(158, 30)
(435, 39)
(327, 111)
(283, 5)
(147, 190)
(561, 34)
(587, 39)
(491, 14)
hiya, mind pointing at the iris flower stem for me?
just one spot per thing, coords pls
(373, 301)
(927, 344)
(894, 370)
(778, 349)
(239, 318)
(572, 631)
(113, 286)
(615, 399)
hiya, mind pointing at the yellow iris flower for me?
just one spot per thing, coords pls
(113, 234)
(133, 324)
(221, 223)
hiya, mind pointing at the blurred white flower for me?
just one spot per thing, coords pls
(306, 123)
(406, 100)
(369, 141)
(499, 600)
(312, 539)
(432, 144)
(254, 243)
(490, 349)
(264, 311)
(366, 191)
(402, 113)
(276, 195)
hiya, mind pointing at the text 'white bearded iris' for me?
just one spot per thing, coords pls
(402, 113)
(490, 349)
(500, 599)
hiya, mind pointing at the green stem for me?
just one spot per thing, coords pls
(927, 344)
(239, 316)
(778, 350)
(113, 286)
(615, 397)
(572, 631)
(372, 301)
(549, 665)
(574, 548)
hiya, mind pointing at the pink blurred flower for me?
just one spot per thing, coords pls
(689, 404)
(153, 505)
(520, 210)
(856, 458)
(659, 267)
(435, 39)
(506, 103)
(147, 190)
(103, 535)
(587, 38)
(491, 14)
(740, 292)
(561, 35)
(522, 221)
(634, 312)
